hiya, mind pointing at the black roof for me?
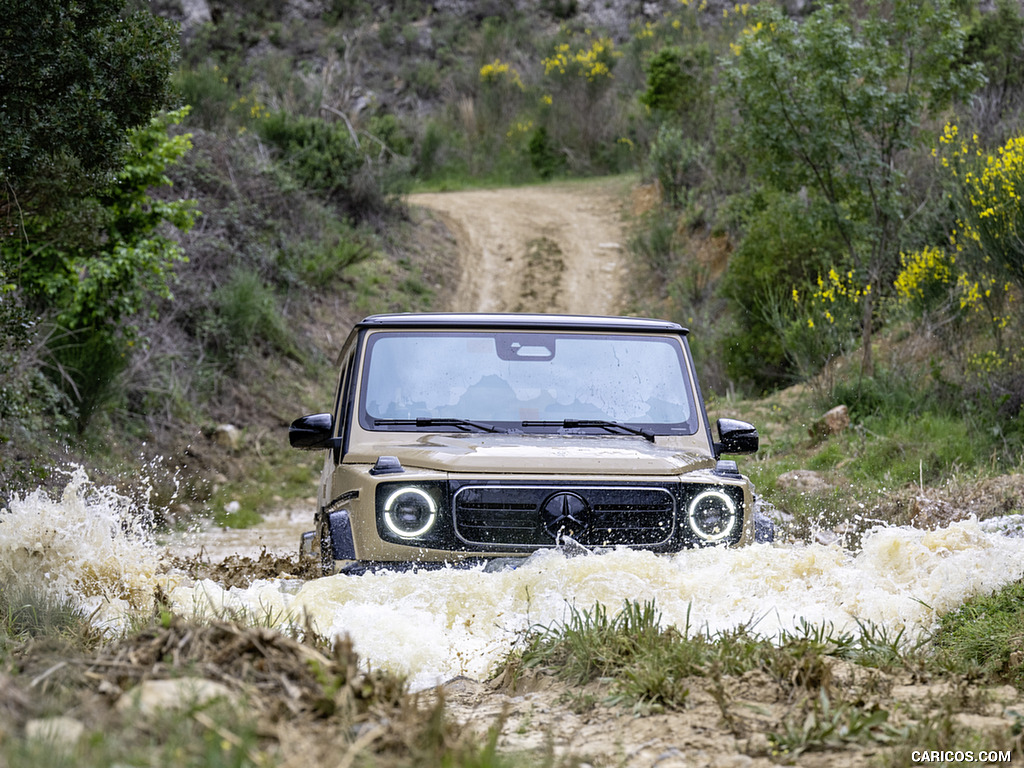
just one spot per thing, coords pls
(519, 322)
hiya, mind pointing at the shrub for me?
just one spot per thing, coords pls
(679, 87)
(94, 265)
(245, 310)
(86, 365)
(561, 9)
(581, 114)
(676, 163)
(28, 610)
(207, 90)
(787, 243)
(543, 157)
(996, 40)
(834, 103)
(990, 221)
(328, 159)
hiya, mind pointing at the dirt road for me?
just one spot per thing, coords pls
(557, 248)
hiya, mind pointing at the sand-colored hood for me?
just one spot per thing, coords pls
(543, 454)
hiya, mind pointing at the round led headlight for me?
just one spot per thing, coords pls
(712, 515)
(410, 512)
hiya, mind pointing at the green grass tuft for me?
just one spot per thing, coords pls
(986, 636)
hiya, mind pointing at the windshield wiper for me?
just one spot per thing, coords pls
(463, 424)
(585, 423)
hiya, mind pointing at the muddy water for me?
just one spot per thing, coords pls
(433, 625)
(436, 624)
(277, 534)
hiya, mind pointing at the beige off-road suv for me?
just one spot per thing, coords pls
(461, 438)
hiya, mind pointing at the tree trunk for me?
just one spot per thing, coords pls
(867, 365)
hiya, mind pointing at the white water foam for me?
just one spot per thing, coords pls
(431, 625)
(91, 544)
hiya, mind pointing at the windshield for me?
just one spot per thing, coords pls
(507, 378)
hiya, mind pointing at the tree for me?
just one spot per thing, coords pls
(74, 76)
(996, 41)
(80, 81)
(834, 105)
(93, 286)
(105, 281)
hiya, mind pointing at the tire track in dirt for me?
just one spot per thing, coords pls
(555, 248)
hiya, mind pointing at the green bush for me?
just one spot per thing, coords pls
(676, 163)
(312, 264)
(245, 311)
(543, 157)
(835, 103)
(320, 155)
(86, 365)
(92, 265)
(561, 9)
(679, 87)
(785, 246)
(890, 393)
(996, 41)
(207, 90)
(325, 158)
(431, 150)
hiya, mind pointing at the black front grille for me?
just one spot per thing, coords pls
(512, 516)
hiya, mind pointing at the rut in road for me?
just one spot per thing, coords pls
(556, 248)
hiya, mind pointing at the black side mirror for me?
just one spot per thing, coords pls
(313, 432)
(736, 437)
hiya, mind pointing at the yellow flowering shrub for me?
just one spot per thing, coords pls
(988, 236)
(499, 72)
(820, 322)
(519, 129)
(986, 261)
(834, 299)
(987, 363)
(749, 32)
(248, 109)
(593, 61)
(921, 270)
(927, 280)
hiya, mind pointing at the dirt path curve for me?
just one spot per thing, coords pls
(554, 248)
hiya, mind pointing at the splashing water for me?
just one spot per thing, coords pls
(92, 544)
(432, 625)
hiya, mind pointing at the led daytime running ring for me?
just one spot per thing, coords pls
(730, 505)
(398, 531)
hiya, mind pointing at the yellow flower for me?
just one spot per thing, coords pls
(499, 70)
